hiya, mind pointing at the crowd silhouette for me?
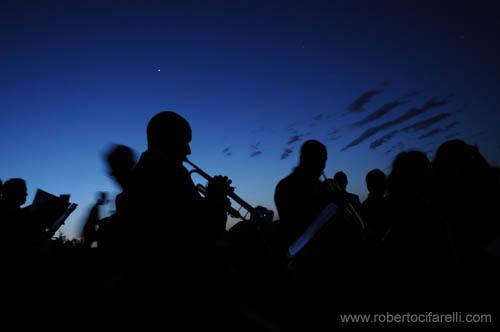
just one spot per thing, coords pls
(425, 239)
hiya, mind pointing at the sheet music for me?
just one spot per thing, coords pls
(42, 197)
(306, 237)
(52, 211)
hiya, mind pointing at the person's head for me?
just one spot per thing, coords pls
(15, 192)
(313, 156)
(121, 161)
(170, 133)
(455, 158)
(410, 174)
(376, 182)
(340, 178)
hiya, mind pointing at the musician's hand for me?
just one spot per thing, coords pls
(218, 188)
(102, 198)
(262, 215)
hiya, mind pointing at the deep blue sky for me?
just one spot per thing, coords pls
(76, 76)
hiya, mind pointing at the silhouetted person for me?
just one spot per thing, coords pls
(16, 251)
(14, 195)
(168, 227)
(417, 251)
(14, 218)
(103, 271)
(374, 208)
(300, 197)
(324, 271)
(120, 160)
(341, 179)
(376, 183)
(469, 201)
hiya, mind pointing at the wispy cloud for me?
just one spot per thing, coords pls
(318, 117)
(436, 131)
(292, 128)
(452, 135)
(294, 138)
(379, 113)
(452, 125)
(317, 120)
(432, 132)
(255, 146)
(480, 133)
(364, 136)
(375, 144)
(333, 135)
(408, 115)
(358, 103)
(255, 150)
(333, 131)
(395, 148)
(286, 153)
(421, 125)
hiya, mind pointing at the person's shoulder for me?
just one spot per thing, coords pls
(141, 169)
(353, 196)
(286, 181)
(367, 201)
(156, 167)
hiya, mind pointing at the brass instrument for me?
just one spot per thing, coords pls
(334, 188)
(255, 212)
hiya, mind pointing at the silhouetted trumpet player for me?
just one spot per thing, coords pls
(322, 241)
(167, 226)
(301, 196)
(304, 201)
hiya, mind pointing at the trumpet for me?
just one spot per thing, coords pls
(255, 212)
(334, 188)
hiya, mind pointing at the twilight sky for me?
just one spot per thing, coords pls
(254, 78)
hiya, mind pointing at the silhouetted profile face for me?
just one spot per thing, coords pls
(313, 156)
(15, 192)
(341, 179)
(170, 133)
(121, 161)
(376, 182)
